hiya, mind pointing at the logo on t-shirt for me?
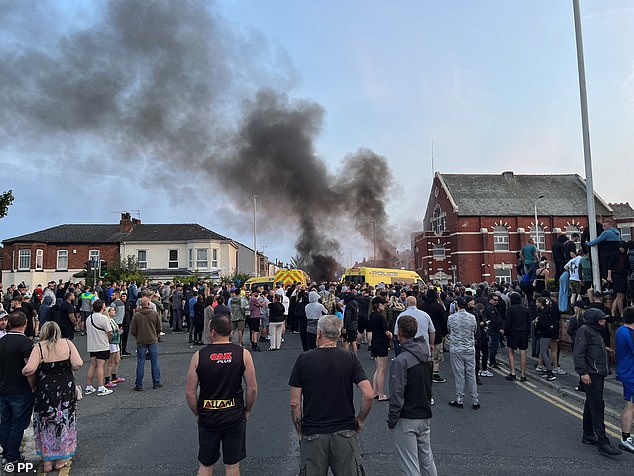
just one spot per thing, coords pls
(219, 404)
(221, 357)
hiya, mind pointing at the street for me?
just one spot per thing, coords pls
(521, 429)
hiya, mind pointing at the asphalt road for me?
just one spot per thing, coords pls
(519, 430)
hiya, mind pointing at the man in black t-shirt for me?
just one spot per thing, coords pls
(16, 395)
(68, 318)
(322, 404)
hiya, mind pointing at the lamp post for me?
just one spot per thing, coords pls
(374, 242)
(255, 243)
(537, 226)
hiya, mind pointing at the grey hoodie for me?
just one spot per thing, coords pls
(314, 310)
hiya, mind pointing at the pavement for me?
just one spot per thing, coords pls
(531, 428)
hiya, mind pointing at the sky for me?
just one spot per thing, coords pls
(493, 85)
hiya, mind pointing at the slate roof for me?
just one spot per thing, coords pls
(98, 233)
(509, 194)
(622, 210)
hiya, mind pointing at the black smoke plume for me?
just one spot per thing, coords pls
(173, 85)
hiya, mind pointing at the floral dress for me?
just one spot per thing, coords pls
(54, 411)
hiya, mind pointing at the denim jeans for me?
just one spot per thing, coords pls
(494, 343)
(140, 364)
(15, 416)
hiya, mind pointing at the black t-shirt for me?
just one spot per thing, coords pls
(364, 307)
(378, 326)
(222, 310)
(326, 377)
(14, 348)
(67, 326)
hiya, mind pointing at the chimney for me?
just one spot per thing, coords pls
(508, 175)
(126, 223)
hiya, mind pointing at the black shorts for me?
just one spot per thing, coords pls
(254, 324)
(379, 350)
(103, 355)
(517, 340)
(351, 336)
(234, 448)
(364, 325)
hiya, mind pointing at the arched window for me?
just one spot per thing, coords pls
(570, 229)
(438, 221)
(500, 238)
(539, 236)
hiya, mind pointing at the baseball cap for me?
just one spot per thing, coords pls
(462, 301)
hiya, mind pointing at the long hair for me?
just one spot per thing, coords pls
(50, 333)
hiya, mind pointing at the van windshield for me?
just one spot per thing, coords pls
(355, 279)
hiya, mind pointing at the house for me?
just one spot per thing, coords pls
(624, 216)
(162, 251)
(475, 224)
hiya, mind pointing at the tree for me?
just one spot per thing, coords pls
(126, 269)
(6, 199)
(237, 278)
(297, 262)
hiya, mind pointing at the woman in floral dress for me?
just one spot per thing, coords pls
(52, 361)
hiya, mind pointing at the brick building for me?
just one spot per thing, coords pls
(475, 224)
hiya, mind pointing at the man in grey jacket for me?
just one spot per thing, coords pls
(462, 327)
(592, 364)
(409, 416)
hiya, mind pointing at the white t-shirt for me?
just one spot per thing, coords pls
(97, 328)
(573, 268)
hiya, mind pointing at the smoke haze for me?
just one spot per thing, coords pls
(174, 86)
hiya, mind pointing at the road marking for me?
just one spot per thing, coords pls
(568, 407)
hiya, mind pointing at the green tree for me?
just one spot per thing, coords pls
(6, 199)
(238, 278)
(297, 262)
(126, 269)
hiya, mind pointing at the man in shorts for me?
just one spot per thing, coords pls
(221, 407)
(254, 320)
(625, 373)
(98, 335)
(517, 325)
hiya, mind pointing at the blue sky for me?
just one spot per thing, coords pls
(492, 83)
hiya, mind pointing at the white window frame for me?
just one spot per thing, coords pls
(172, 264)
(541, 246)
(24, 260)
(142, 263)
(507, 278)
(500, 238)
(96, 254)
(61, 255)
(190, 258)
(202, 263)
(626, 236)
(438, 220)
(39, 259)
(214, 257)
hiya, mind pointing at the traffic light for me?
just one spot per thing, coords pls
(103, 268)
(88, 265)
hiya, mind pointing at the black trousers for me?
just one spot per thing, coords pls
(594, 409)
(124, 335)
(302, 324)
(482, 355)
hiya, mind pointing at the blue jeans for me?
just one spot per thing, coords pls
(494, 343)
(15, 416)
(140, 364)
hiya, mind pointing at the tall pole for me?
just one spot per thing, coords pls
(374, 241)
(255, 243)
(596, 275)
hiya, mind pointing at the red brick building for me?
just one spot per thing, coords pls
(475, 224)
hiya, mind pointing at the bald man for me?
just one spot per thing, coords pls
(425, 328)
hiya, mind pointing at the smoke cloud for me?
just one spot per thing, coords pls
(175, 85)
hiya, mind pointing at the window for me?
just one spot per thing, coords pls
(214, 258)
(201, 258)
(500, 238)
(439, 252)
(438, 221)
(39, 260)
(502, 276)
(570, 229)
(24, 261)
(190, 260)
(93, 256)
(539, 237)
(173, 259)
(141, 257)
(626, 233)
(62, 260)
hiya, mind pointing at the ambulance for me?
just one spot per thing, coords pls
(284, 276)
(374, 276)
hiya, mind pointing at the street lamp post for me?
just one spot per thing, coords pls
(537, 226)
(255, 243)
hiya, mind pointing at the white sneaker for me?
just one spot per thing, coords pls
(486, 373)
(432, 402)
(540, 368)
(559, 371)
(627, 444)
(103, 391)
(89, 389)
(161, 333)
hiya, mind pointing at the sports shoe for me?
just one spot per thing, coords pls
(432, 400)
(157, 385)
(138, 389)
(523, 378)
(103, 391)
(486, 373)
(110, 385)
(118, 380)
(510, 377)
(125, 354)
(475, 406)
(559, 371)
(609, 450)
(540, 368)
(438, 379)
(89, 389)
(589, 440)
(455, 404)
(627, 444)
(551, 377)
(161, 333)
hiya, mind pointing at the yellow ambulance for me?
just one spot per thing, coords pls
(284, 276)
(374, 276)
